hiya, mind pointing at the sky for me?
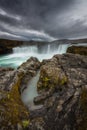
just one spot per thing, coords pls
(43, 19)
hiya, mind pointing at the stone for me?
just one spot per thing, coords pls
(63, 107)
(77, 50)
(62, 89)
(12, 109)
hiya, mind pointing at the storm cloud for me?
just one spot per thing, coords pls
(43, 19)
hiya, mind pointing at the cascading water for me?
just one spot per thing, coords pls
(21, 54)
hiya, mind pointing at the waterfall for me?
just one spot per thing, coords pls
(45, 49)
(22, 53)
(25, 49)
(48, 48)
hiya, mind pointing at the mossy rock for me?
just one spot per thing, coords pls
(77, 50)
(51, 77)
(12, 110)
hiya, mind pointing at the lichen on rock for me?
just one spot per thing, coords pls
(77, 50)
(12, 110)
(51, 77)
(13, 113)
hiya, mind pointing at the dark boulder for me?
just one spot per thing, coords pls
(77, 50)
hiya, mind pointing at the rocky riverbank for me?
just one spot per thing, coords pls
(62, 89)
(77, 50)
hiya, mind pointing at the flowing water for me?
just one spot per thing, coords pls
(21, 54)
(30, 92)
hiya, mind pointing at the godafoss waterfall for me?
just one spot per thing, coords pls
(22, 53)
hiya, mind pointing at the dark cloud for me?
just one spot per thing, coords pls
(42, 19)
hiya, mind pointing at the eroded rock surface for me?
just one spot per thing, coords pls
(63, 79)
(78, 50)
(62, 89)
(13, 113)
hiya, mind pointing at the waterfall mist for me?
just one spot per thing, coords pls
(22, 53)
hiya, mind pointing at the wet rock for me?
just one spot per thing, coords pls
(5, 50)
(63, 92)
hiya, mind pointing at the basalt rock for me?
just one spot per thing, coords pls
(77, 50)
(5, 50)
(51, 76)
(13, 113)
(62, 89)
(65, 107)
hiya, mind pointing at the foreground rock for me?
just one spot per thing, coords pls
(62, 89)
(77, 50)
(63, 86)
(13, 114)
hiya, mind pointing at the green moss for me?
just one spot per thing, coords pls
(25, 123)
(77, 50)
(46, 79)
(13, 109)
(51, 82)
(63, 81)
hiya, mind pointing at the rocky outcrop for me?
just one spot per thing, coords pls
(13, 113)
(61, 85)
(62, 89)
(77, 50)
(6, 46)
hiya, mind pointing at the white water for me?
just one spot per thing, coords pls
(21, 54)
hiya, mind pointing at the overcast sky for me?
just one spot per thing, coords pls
(43, 19)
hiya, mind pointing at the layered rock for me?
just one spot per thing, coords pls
(61, 85)
(62, 89)
(6, 46)
(13, 113)
(77, 50)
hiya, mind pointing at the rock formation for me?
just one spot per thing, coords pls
(62, 89)
(77, 50)
(13, 113)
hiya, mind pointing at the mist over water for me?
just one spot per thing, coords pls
(21, 54)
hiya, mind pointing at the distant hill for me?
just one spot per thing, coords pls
(74, 41)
